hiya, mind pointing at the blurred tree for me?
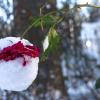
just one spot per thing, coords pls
(6, 18)
(77, 66)
(50, 74)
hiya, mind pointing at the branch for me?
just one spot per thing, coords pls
(86, 5)
(53, 12)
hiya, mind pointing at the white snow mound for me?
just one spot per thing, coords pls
(13, 75)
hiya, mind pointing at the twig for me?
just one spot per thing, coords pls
(27, 29)
(87, 5)
(41, 15)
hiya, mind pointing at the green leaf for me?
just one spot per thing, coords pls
(54, 40)
(49, 20)
(46, 21)
(36, 21)
(97, 85)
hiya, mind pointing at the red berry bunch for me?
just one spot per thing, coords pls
(19, 50)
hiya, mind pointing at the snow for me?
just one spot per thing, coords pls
(13, 75)
(45, 43)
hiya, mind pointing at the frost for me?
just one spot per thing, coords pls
(46, 43)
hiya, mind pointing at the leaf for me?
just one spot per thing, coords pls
(46, 21)
(53, 39)
(49, 20)
(36, 20)
(97, 85)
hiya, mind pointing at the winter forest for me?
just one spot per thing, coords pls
(67, 33)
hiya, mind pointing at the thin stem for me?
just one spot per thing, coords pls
(27, 29)
(58, 21)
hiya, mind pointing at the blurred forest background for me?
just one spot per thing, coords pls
(71, 71)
